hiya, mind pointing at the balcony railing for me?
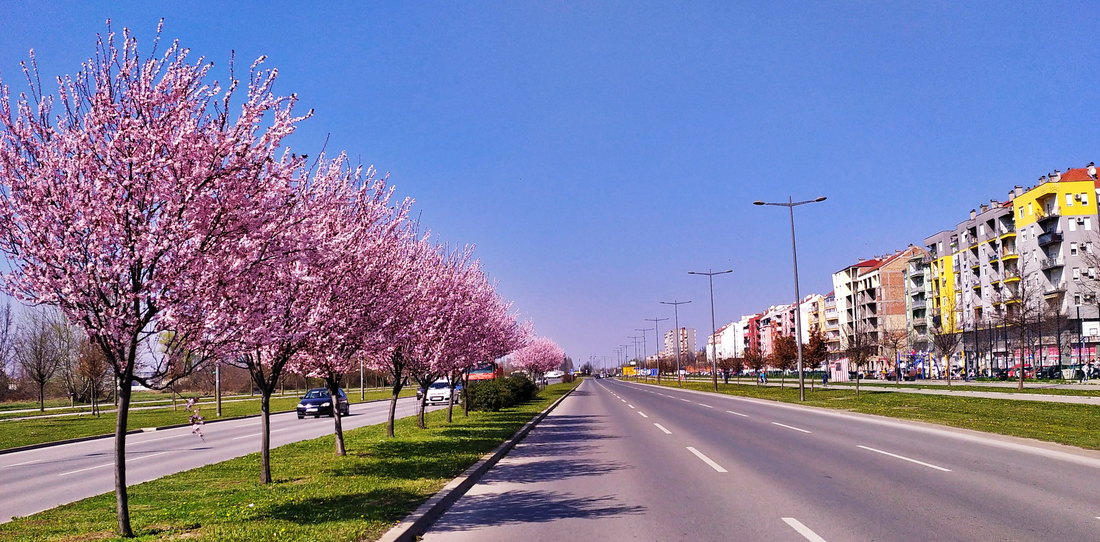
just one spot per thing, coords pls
(1045, 214)
(1050, 238)
(1055, 289)
(1051, 263)
(920, 304)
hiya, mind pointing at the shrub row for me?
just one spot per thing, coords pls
(493, 395)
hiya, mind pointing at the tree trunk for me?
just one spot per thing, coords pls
(333, 393)
(393, 407)
(421, 421)
(122, 499)
(466, 393)
(41, 396)
(265, 435)
(451, 402)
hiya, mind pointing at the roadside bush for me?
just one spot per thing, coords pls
(493, 395)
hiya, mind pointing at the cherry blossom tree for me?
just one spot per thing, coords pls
(539, 356)
(114, 193)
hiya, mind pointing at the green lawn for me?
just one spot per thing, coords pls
(316, 495)
(35, 431)
(1055, 422)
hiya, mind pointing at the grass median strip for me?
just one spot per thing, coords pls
(36, 431)
(1065, 423)
(357, 497)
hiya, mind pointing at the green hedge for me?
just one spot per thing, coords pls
(493, 395)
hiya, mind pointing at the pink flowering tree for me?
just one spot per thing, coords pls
(114, 193)
(358, 283)
(539, 356)
(278, 312)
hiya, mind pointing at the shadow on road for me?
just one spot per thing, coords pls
(520, 506)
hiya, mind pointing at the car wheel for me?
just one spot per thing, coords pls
(300, 416)
(315, 416)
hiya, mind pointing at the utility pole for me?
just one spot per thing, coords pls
(676, 315)
(713, 328)
(645, 353)
(658, 342)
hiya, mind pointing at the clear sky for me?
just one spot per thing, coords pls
(597, 151)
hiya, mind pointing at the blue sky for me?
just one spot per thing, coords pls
(595, 152)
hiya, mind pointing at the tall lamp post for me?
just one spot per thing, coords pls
(657, 341)
(790, 205)
(645, 353)
(713, 328)
(626, 356)
(676, 314)
(641, 361)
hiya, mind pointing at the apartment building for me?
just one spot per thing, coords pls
(917, 294)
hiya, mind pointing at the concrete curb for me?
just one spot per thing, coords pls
(416, 524)
(145, 430)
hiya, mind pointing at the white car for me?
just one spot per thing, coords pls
(554, 374)
(439, 392)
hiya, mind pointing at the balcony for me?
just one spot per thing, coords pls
(1050, 238)
(920, 304)
(1051, 263)
(1048, 214)
(919, 272)
(1009, 255)
(1055, 289)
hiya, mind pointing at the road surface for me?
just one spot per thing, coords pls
(36, 480)
(626, 461)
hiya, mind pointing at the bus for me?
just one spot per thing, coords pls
(487, 371)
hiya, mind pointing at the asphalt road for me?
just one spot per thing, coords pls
(41, 479)
(625, 461)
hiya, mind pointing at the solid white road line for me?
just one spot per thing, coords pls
(708, 406)
(642, 414)
(803, 530)
(738, 414)
(128, 461)
(23, 463)
(245, 436)
(706, 460)
(903, 458)
(667, 432)
(686, 400)
(791, 427)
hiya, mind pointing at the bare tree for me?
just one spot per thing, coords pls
(7, 345)
(38, 350)
(860, 346)
(893, 341)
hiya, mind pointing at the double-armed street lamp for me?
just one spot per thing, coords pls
(645, 353)
(790, 205)
(713, 329)
(676, 334)
(641, 362)
(657, 341)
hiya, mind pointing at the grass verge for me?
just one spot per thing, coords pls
(1055, 422)
(315, 494)
(36, 431)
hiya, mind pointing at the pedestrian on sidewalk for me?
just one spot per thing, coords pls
(825, 378)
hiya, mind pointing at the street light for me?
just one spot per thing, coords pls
(713, 329)
(676, 314)
(657, 341)
(790, 205)
(645, 353)
(635, 339)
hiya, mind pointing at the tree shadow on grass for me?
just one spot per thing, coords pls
(516, 507)
(384, 505)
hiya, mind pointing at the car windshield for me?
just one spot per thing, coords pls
(316, 394)
(438, 385)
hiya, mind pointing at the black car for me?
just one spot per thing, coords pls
(317, 402)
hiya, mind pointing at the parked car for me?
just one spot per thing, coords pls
(439, 392)
(316, 402)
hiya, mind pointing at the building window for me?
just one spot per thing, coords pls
(1088, 223)
(1030, 210)
(1076, 299)
(1073, 249)
(1084, 198)
(1076, 273)
(1092, 272)
(1072, 225)
(1069, 200)
(1021, 211)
